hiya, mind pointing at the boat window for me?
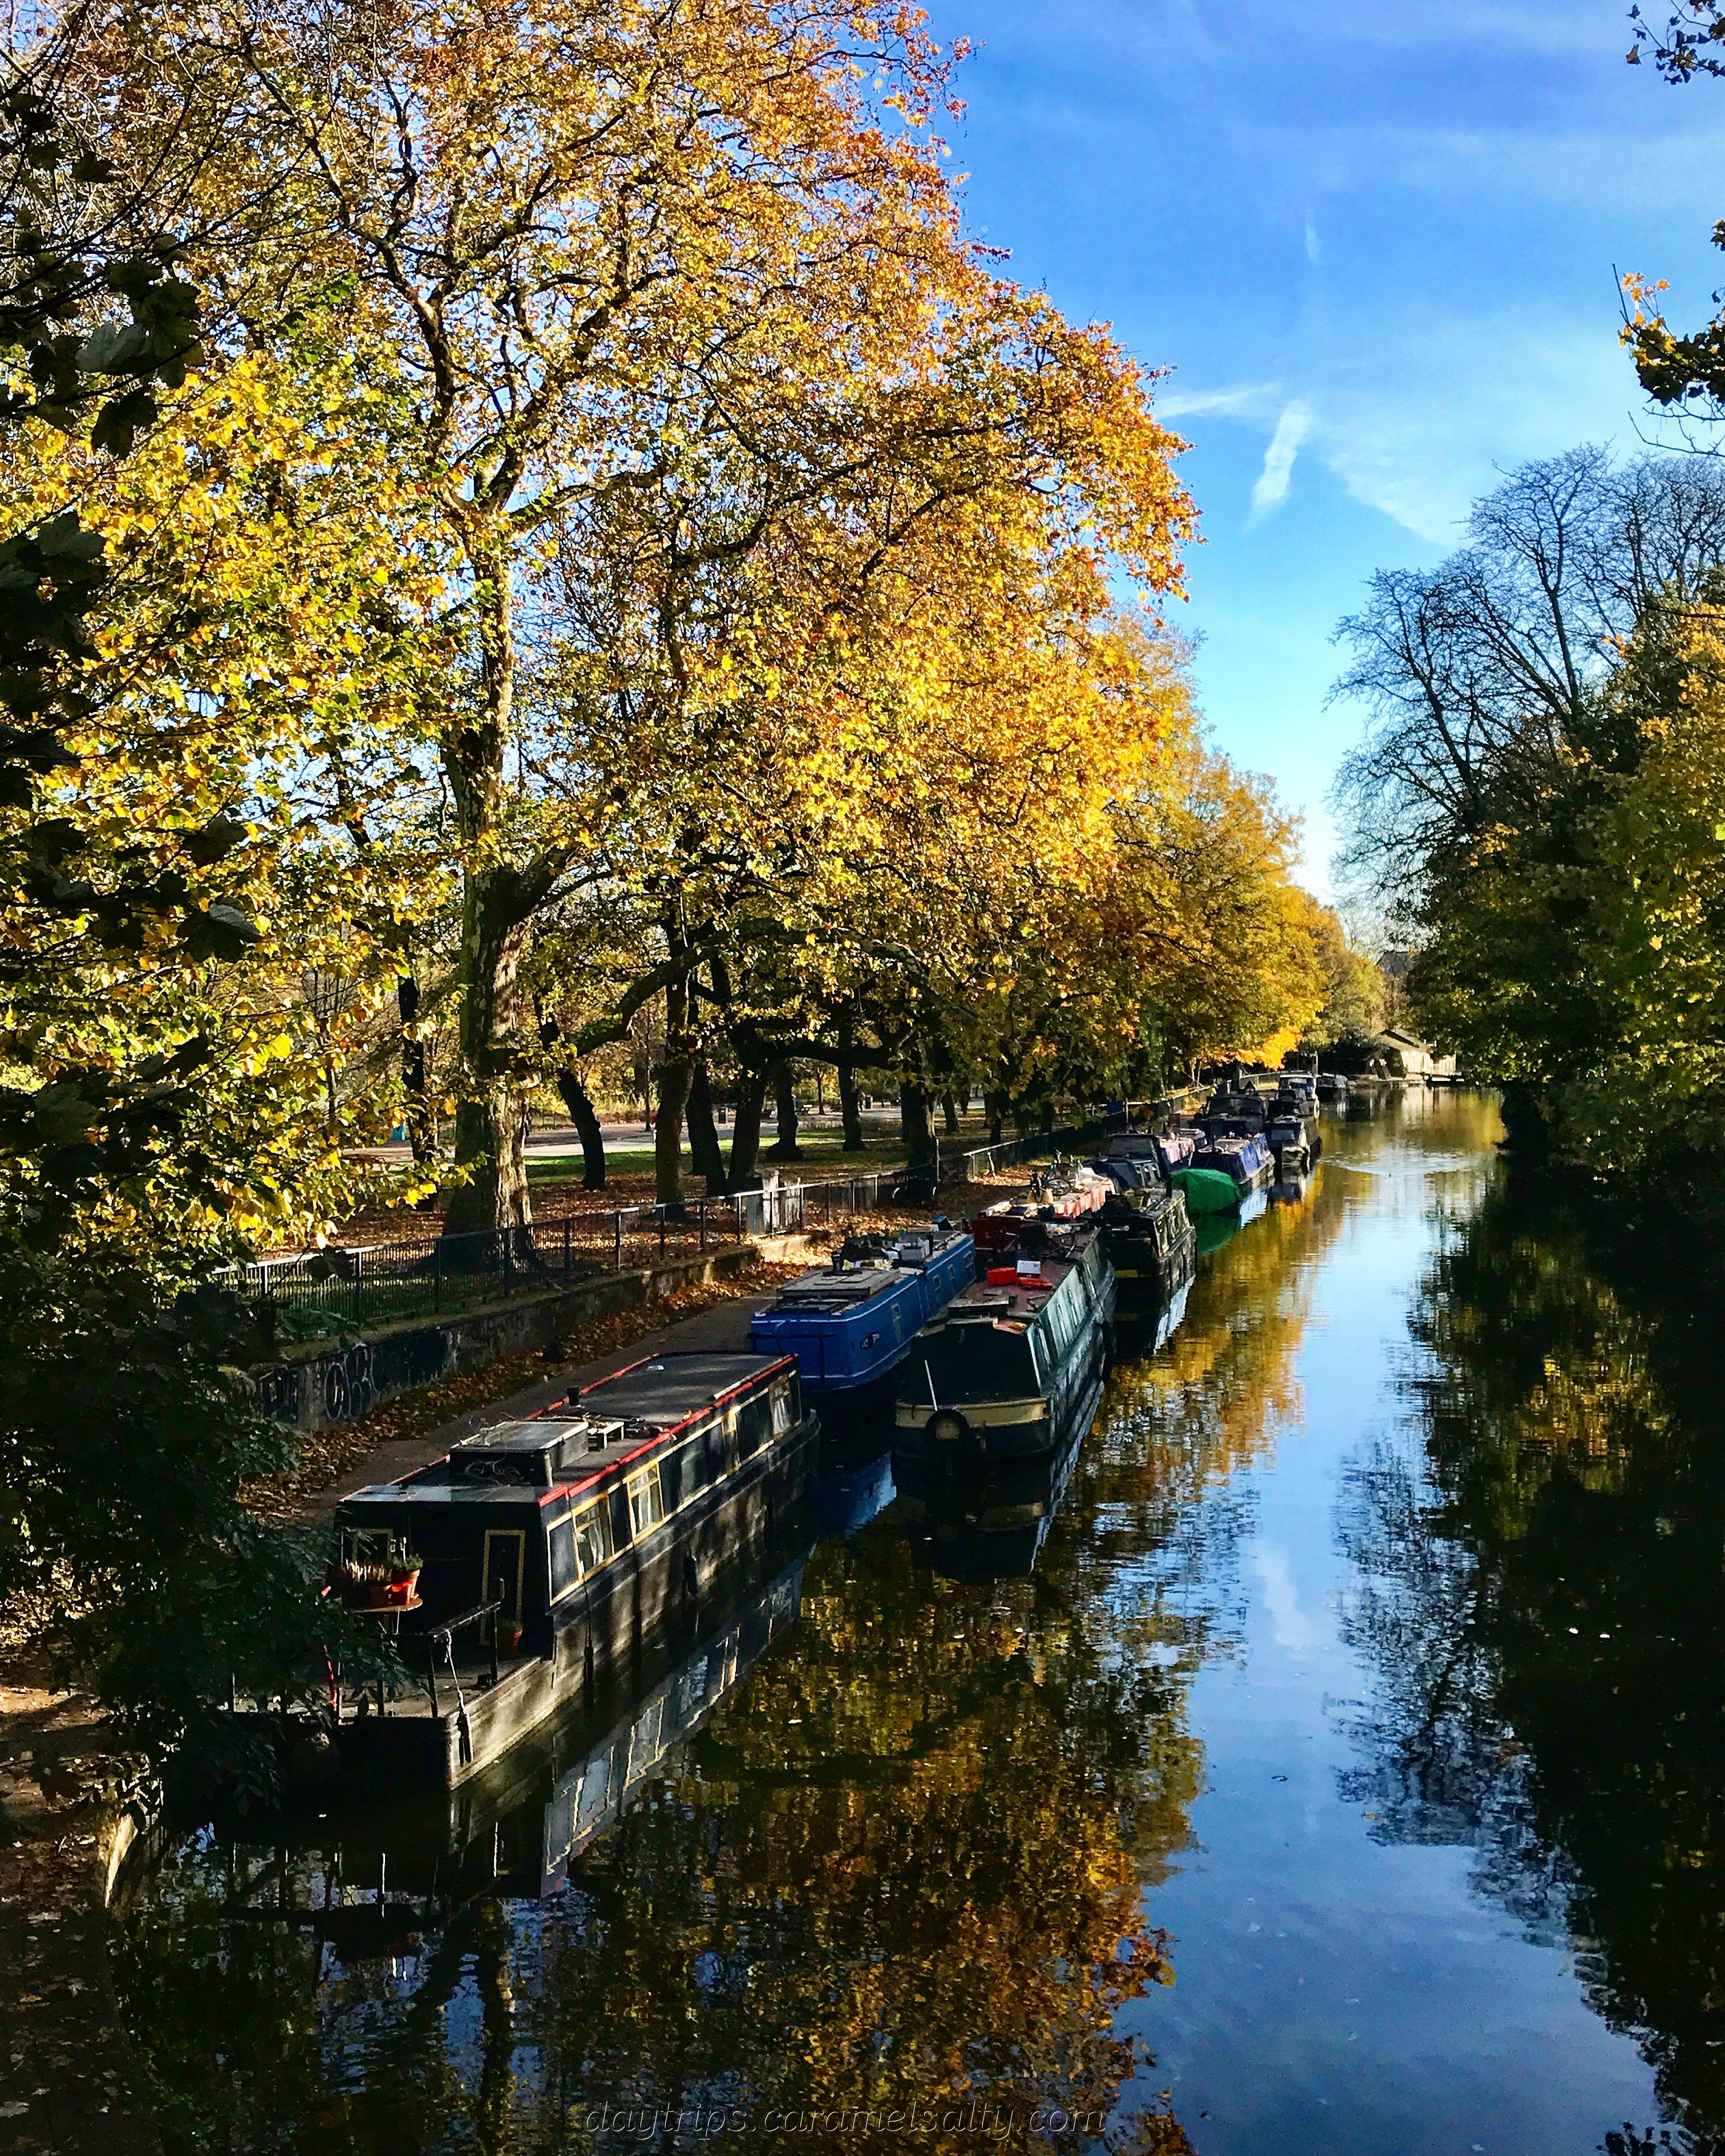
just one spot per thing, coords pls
(646, 1500)
(563, 1571)
(754, 1425)
(595, 1787)
(718, 1453)
(591, 1531)
(784, 1406)
(972, 1361)
(680, 1473)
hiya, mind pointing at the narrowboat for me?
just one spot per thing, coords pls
(1068, 1189)
(1298, 1090)
(1151, 1245)
(1246, 1159)
(1140, 1158)
(850, 1323)
(997, 1375)
(993, 1526)
(372, 1868)
(1294, 1140)
(538, 1558)
(1331, 1087)
(1236, 1114)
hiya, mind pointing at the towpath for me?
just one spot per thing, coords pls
(725, 1325)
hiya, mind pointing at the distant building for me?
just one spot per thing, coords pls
(1419, 1059)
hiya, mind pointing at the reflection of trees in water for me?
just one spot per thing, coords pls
(907, 1860)
(1154, 1523)
(905, 1863)
(1540, 1598)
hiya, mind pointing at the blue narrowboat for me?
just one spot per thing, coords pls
(851, 1323)
(1246, 1160)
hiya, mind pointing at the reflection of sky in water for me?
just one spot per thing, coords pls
(910, 1824)
(1336, 1997)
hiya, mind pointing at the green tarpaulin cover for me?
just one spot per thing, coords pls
(1207, 1190)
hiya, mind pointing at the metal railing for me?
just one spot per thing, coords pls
(1013, 1153)
(316, 1294)
(319, 1294)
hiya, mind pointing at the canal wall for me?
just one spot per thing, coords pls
(74, 1810)
(318, 1383)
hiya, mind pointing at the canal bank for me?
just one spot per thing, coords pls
(1340, 1780)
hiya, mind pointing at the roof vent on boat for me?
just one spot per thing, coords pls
(592, 1436)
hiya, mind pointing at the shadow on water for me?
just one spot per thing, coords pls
(1541, 1598)
(892, 1833)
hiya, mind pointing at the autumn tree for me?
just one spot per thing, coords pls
(1537, 790)
(1684, 374)
(1353, 1006)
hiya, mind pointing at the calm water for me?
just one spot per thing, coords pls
(1345, 1778)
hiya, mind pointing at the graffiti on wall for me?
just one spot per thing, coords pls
(351, 1380)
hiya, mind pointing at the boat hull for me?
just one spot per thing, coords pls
(665, 1578)
(996, 1431)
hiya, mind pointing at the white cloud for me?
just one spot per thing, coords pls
(1249, 400)
(1293, 1627)
(1421, 426)
(1272, 490)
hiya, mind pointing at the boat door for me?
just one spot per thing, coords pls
(506, 1562)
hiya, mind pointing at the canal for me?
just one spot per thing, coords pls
(1343, 1780)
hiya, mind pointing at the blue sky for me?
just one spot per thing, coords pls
(1374, 243)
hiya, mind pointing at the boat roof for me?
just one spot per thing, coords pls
(607, 1423)
(1023, 1299)
(859, 1287)
(667, 1389)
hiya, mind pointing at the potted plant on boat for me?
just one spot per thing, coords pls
(368, 1577)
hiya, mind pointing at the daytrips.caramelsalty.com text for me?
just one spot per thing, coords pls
(988, 2121)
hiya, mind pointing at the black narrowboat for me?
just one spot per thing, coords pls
(537, 1559)
(997, 1375)
(1151, 1245)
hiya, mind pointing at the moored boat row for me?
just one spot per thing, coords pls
(532, 1563)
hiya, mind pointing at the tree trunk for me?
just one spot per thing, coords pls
(497, 919)
(585, 1117)
(745, 1132)
(949, 1109)
(676, 1070)
(704, 1147)
(488, 1117)
(416, 1110)
(995, 1108)
(850, 1106)
(784, 1088)
(913, 1122)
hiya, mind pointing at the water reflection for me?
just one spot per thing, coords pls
(1540, 1595)
(903, 1868)
(903, 1831)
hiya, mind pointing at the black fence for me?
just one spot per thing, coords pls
(982, 1160)
(318, 1293)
